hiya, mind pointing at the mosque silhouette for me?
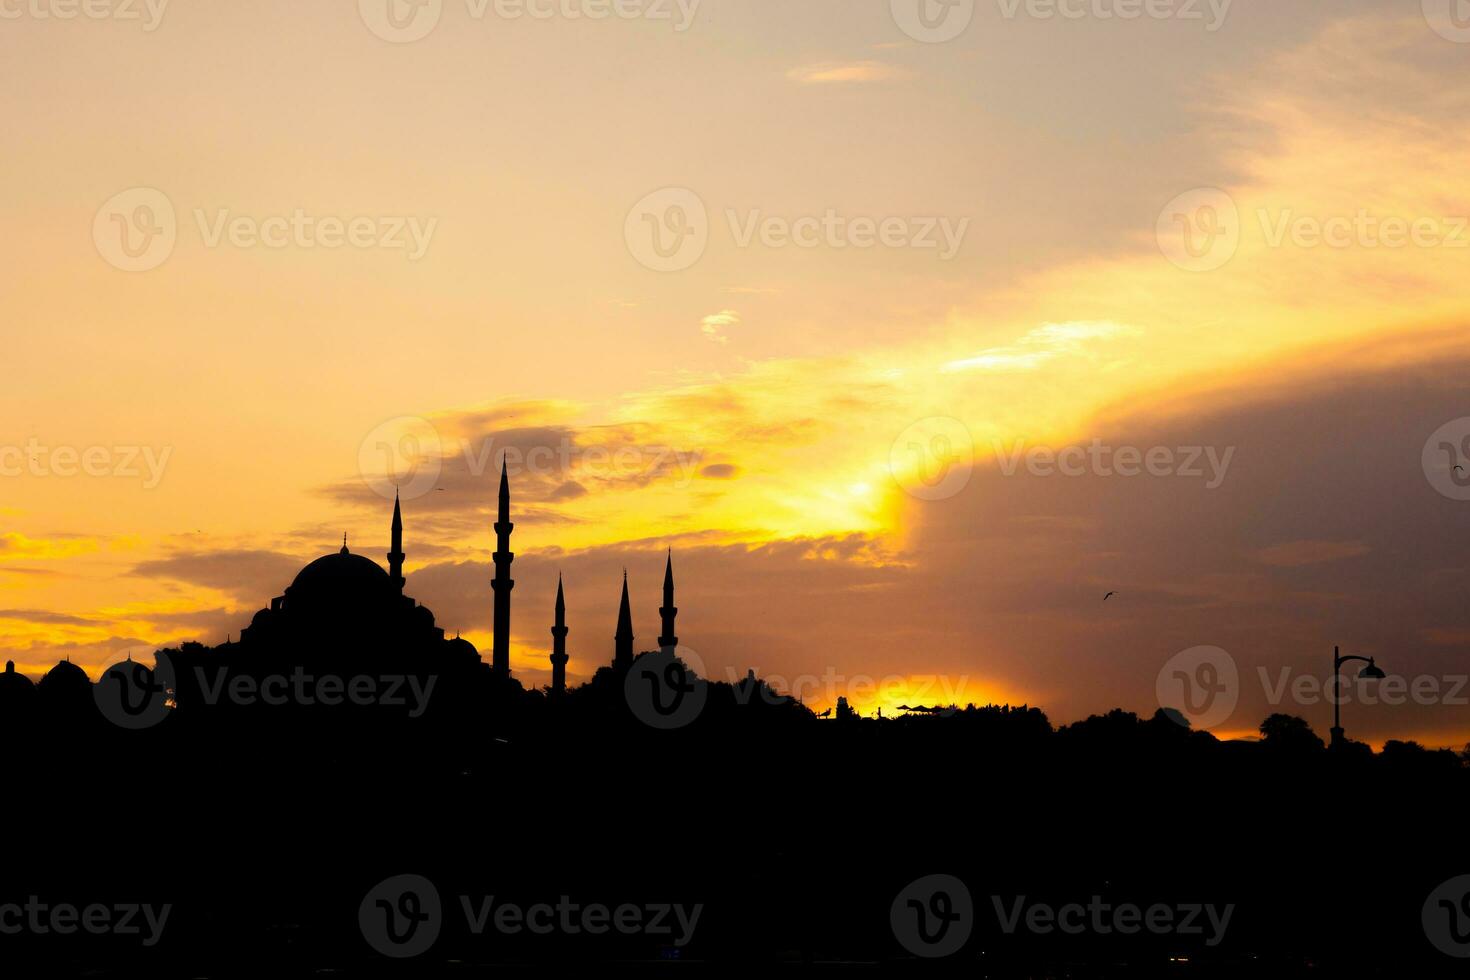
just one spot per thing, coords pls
(344, 612)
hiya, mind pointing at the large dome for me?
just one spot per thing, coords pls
(341, 574)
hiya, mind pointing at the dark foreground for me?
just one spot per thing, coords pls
(766, 840)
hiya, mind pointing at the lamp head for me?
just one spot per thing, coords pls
(1372, 671)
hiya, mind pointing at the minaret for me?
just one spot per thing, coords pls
(396, 556)
(623, 638)
(559, 644)
(668, 641)
(502, 584)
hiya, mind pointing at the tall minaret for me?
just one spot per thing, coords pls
(500, 652)
(668, 641)
(396, 556)
(559, 644)
(623, 638)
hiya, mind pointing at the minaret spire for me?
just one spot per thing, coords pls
(559, 644)
(503, 583)
(396, 555)
(667, 641)
(623, 638)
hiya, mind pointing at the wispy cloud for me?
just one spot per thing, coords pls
(839, 72)
(1046, 343)
(715, 325)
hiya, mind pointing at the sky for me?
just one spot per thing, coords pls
(868, 315)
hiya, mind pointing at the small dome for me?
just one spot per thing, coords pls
(131, 672)
(65, 678)
(462, 647)
(13, 681)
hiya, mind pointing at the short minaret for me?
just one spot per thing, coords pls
(667, 641)
(559, 644)
(396, 556)
(623, 638)
(502, 584)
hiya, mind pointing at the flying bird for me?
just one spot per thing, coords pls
(1109, 596)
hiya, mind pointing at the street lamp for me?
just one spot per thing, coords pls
(1372, 672)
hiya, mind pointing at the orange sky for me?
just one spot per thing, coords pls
(781, 412)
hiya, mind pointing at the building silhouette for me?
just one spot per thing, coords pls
(559, 644)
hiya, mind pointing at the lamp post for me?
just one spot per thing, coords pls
(1370, 672)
